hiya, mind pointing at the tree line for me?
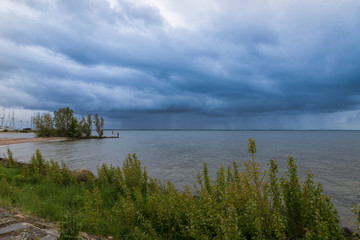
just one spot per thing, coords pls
(64, 124)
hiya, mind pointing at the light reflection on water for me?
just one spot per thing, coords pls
(333, 156)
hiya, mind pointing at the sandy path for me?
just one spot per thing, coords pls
(9, 141)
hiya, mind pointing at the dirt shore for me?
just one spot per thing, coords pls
(15, 225)
(13, 132)
(9, 141)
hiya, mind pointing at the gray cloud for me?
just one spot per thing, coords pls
(236, 66)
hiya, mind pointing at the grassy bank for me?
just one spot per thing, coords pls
(123, 202)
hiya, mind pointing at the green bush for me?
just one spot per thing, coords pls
(356, 211)
(5, 187)
(127, 204)
(39, 167)
(69, 226)
(37, 163)
(9, 159)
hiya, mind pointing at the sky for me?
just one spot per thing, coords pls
(169, 64)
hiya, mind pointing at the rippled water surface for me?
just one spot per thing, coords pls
(333, 156)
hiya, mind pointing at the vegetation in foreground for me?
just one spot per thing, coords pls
(65, 124)
(125, 203)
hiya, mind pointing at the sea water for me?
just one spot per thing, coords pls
(333, 156)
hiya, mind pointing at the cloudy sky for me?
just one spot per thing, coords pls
(229, 64)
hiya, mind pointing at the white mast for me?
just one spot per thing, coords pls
(8, 122)
(13, 119)
(2, 119)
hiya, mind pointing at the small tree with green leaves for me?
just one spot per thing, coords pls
(70, 226)
(64, 122)
(99, 124)
(356, 211)
(44, 125)
(9, 159)
(88, 126)
(80, 128)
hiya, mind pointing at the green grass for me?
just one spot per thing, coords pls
(125, 203)
(36, 195)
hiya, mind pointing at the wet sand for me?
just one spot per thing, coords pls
(9, 141)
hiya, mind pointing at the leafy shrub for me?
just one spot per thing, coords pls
(5, 187)
(249, 204)
(37, 163)
(44, 124)
(69, 226)
(66, 176)
(54, 172)
(9, 159)
(50, 169)
(356, 211)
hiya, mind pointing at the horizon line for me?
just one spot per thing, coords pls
(221, 129)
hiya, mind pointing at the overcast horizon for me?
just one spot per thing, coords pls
(166, 64)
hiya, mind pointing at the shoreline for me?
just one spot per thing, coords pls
(15, 132)
(347, 231)
(10, 141)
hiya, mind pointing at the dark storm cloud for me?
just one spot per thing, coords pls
(125, 59)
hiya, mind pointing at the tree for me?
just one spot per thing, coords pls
(44, 124)
(83, 128)
(76, 128)
(65, 122)
(80, 128)
(88, 126)
(99, 124)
